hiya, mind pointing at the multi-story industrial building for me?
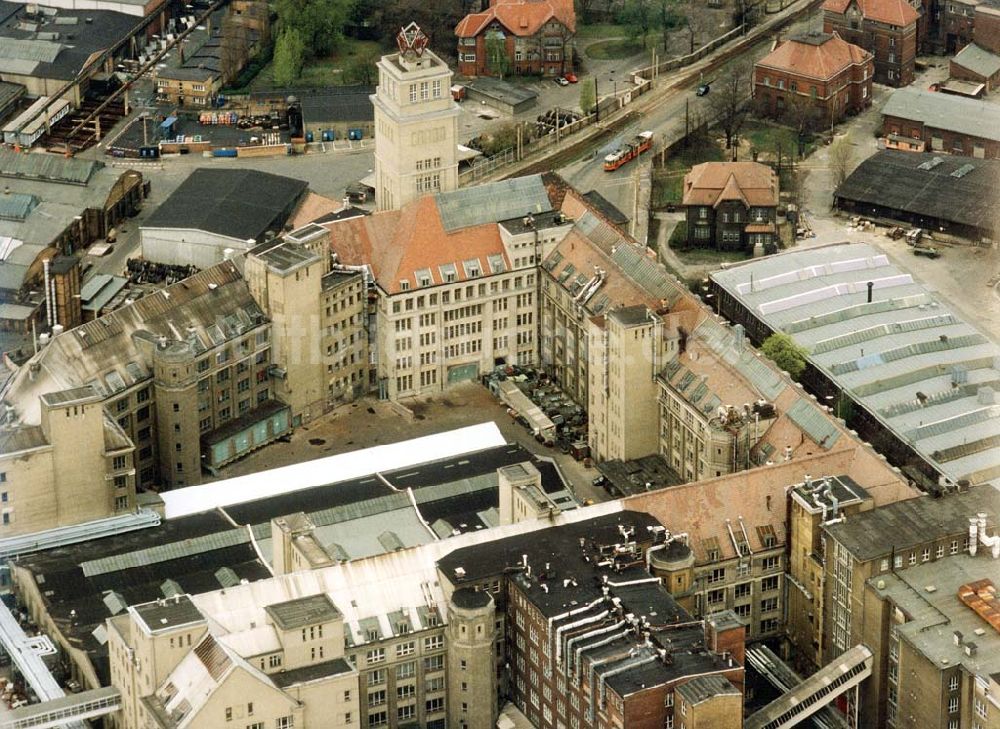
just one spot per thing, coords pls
(880, 547)
(319, 315)
(381, 642)
(172, 671)
(182, 372)
(455, 280)
(591, 638)
(936, 630)
(75, 465)
(715, 404)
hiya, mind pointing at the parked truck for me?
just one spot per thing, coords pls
(628, 151)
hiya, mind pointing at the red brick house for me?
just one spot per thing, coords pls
(979, 61)
(821, 69)
(886, 28)
(535, 36)
(731, 206)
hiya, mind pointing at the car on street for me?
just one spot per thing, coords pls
(703, 90)
(571, 77)
(561, 81)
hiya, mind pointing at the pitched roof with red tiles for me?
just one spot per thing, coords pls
(703, 508)
(891, 12)
(711, 182)
(818, 55)
(520, 17)
(399, 243)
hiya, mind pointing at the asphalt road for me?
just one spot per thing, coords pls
(667, 122)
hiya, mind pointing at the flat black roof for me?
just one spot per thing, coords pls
(168, 613)
(631, 477)
(303, 611)
(558, 547)
(606, 208)
(240, 204)
(67, 589)
(423, 475)
(9, 93)
(338, 104)
(205, 543)
(470, 599)
(313, 672)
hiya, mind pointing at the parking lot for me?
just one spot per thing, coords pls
(370, 422)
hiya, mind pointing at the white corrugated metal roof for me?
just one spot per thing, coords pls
(906, 341)
(322, 471)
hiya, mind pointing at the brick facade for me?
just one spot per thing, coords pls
(932, 139)
(549, 52)
(835, 77)
(986, 32)
(891, 37)
(536, 37)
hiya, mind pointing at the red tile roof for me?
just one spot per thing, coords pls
(398, 243)
(520, 17)
(981, 597)
(892, 12)
(711, 182)
(758, 497)
(820, 56)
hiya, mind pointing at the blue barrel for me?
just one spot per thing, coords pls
(355, 134)
(309, 137)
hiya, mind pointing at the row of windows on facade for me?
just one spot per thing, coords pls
(411, 303)
(925, 555)
(408, 712)
(756, 215)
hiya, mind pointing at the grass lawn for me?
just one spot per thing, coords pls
(598, 31)
(322, 71)
(613, 49)
(767, 138)
(669, 179)
(708, 256)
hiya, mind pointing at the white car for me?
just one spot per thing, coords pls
(561, 81)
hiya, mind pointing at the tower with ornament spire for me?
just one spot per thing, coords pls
(416, 123)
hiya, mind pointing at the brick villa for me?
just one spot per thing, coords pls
(537, 37)
(820, 69)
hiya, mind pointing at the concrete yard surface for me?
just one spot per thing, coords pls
(370, 422)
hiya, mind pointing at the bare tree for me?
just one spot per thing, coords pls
(841, 161)
(728, 102)
(234, 47)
